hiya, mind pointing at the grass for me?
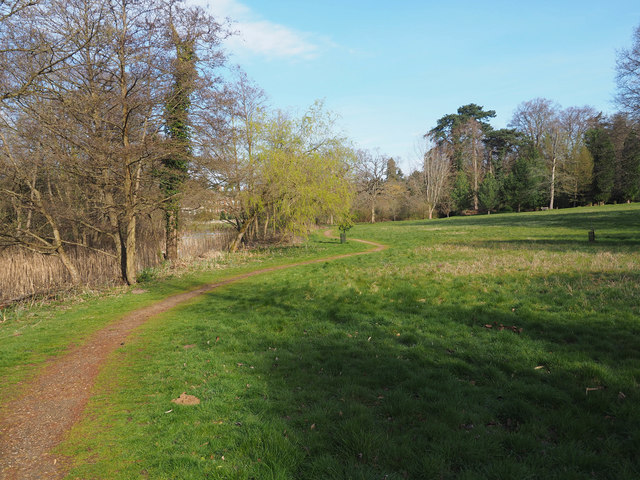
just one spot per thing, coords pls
(384, 366)
(34, 332)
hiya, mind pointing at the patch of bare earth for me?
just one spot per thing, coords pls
(32, 425)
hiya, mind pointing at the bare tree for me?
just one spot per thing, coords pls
(435, 173)
(471, 136)
(105, 106)
(577, 165)
(33, 216)
(538, 118)
(32, 44)
(628, 77)
(533, 118)
(370, 175)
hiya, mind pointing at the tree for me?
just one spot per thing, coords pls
(434, 177)
(502, 147)
(628, 77)
(393, 172)
(33, 45)
(522, 184)
(603, 153)
(577, 174)
(472, 150)
(489, 193)
(101, 112)
(395, 197)
(195, 38)
(35, 182)
(275, 170)
(175, 166)
(450, 128)
(576, 167)
(461, 192)
(630, 185)
(539, 120)
(370, 176)
(533, 118)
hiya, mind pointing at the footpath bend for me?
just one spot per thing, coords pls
(32, 425)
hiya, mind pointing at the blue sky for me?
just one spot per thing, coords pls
(391, 69)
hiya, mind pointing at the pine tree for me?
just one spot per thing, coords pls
(461, 193)
(604, 161)
(489, 193)
(523, 186)
(630, 183)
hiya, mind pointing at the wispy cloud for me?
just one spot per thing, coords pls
(258, 36)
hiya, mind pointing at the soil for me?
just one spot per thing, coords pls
(32, 425)
(185, 399)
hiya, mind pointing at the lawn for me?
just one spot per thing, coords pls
(501, 346)
(32, 333)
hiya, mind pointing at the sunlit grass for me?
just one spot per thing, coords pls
(31, 333)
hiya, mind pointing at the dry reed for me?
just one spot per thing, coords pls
(24, 273)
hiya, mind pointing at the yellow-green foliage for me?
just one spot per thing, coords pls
(298, 171)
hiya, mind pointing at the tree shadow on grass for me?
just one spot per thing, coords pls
(603, 243)
(575, 219)
(359, 385)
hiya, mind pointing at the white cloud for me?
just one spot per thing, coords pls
(258, 36)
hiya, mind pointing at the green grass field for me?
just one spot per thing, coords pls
(392, 365)
(30, 334)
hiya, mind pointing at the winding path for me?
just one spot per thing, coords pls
(32, 425)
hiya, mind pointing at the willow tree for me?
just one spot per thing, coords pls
(298, 175)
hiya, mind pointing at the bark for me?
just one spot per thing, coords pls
(553, 183)
(57, 238)
(235, 243)
(129, 250)
(266, 226)
(68, 264)
(172, 236)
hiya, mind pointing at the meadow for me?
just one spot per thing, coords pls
(501, 346)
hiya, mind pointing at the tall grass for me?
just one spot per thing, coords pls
(24, 273)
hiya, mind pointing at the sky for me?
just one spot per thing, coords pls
(390, 70)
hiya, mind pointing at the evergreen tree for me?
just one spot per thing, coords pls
(461, 192)
(604, 161)
(489, 193)
(450, 129)
(523, 185)
(630, 184)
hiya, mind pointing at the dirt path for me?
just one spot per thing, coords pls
(32, 425)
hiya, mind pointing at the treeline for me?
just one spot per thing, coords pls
(118, 117)
(549, 158)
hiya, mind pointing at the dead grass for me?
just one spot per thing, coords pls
(24, 274)
(467, 260)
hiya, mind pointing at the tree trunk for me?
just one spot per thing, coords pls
(373, 212)
(57, 238)
(71, 268)
(130, 273)
(553, 183)
(171, 235)
(235, 243)
(266, 226)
